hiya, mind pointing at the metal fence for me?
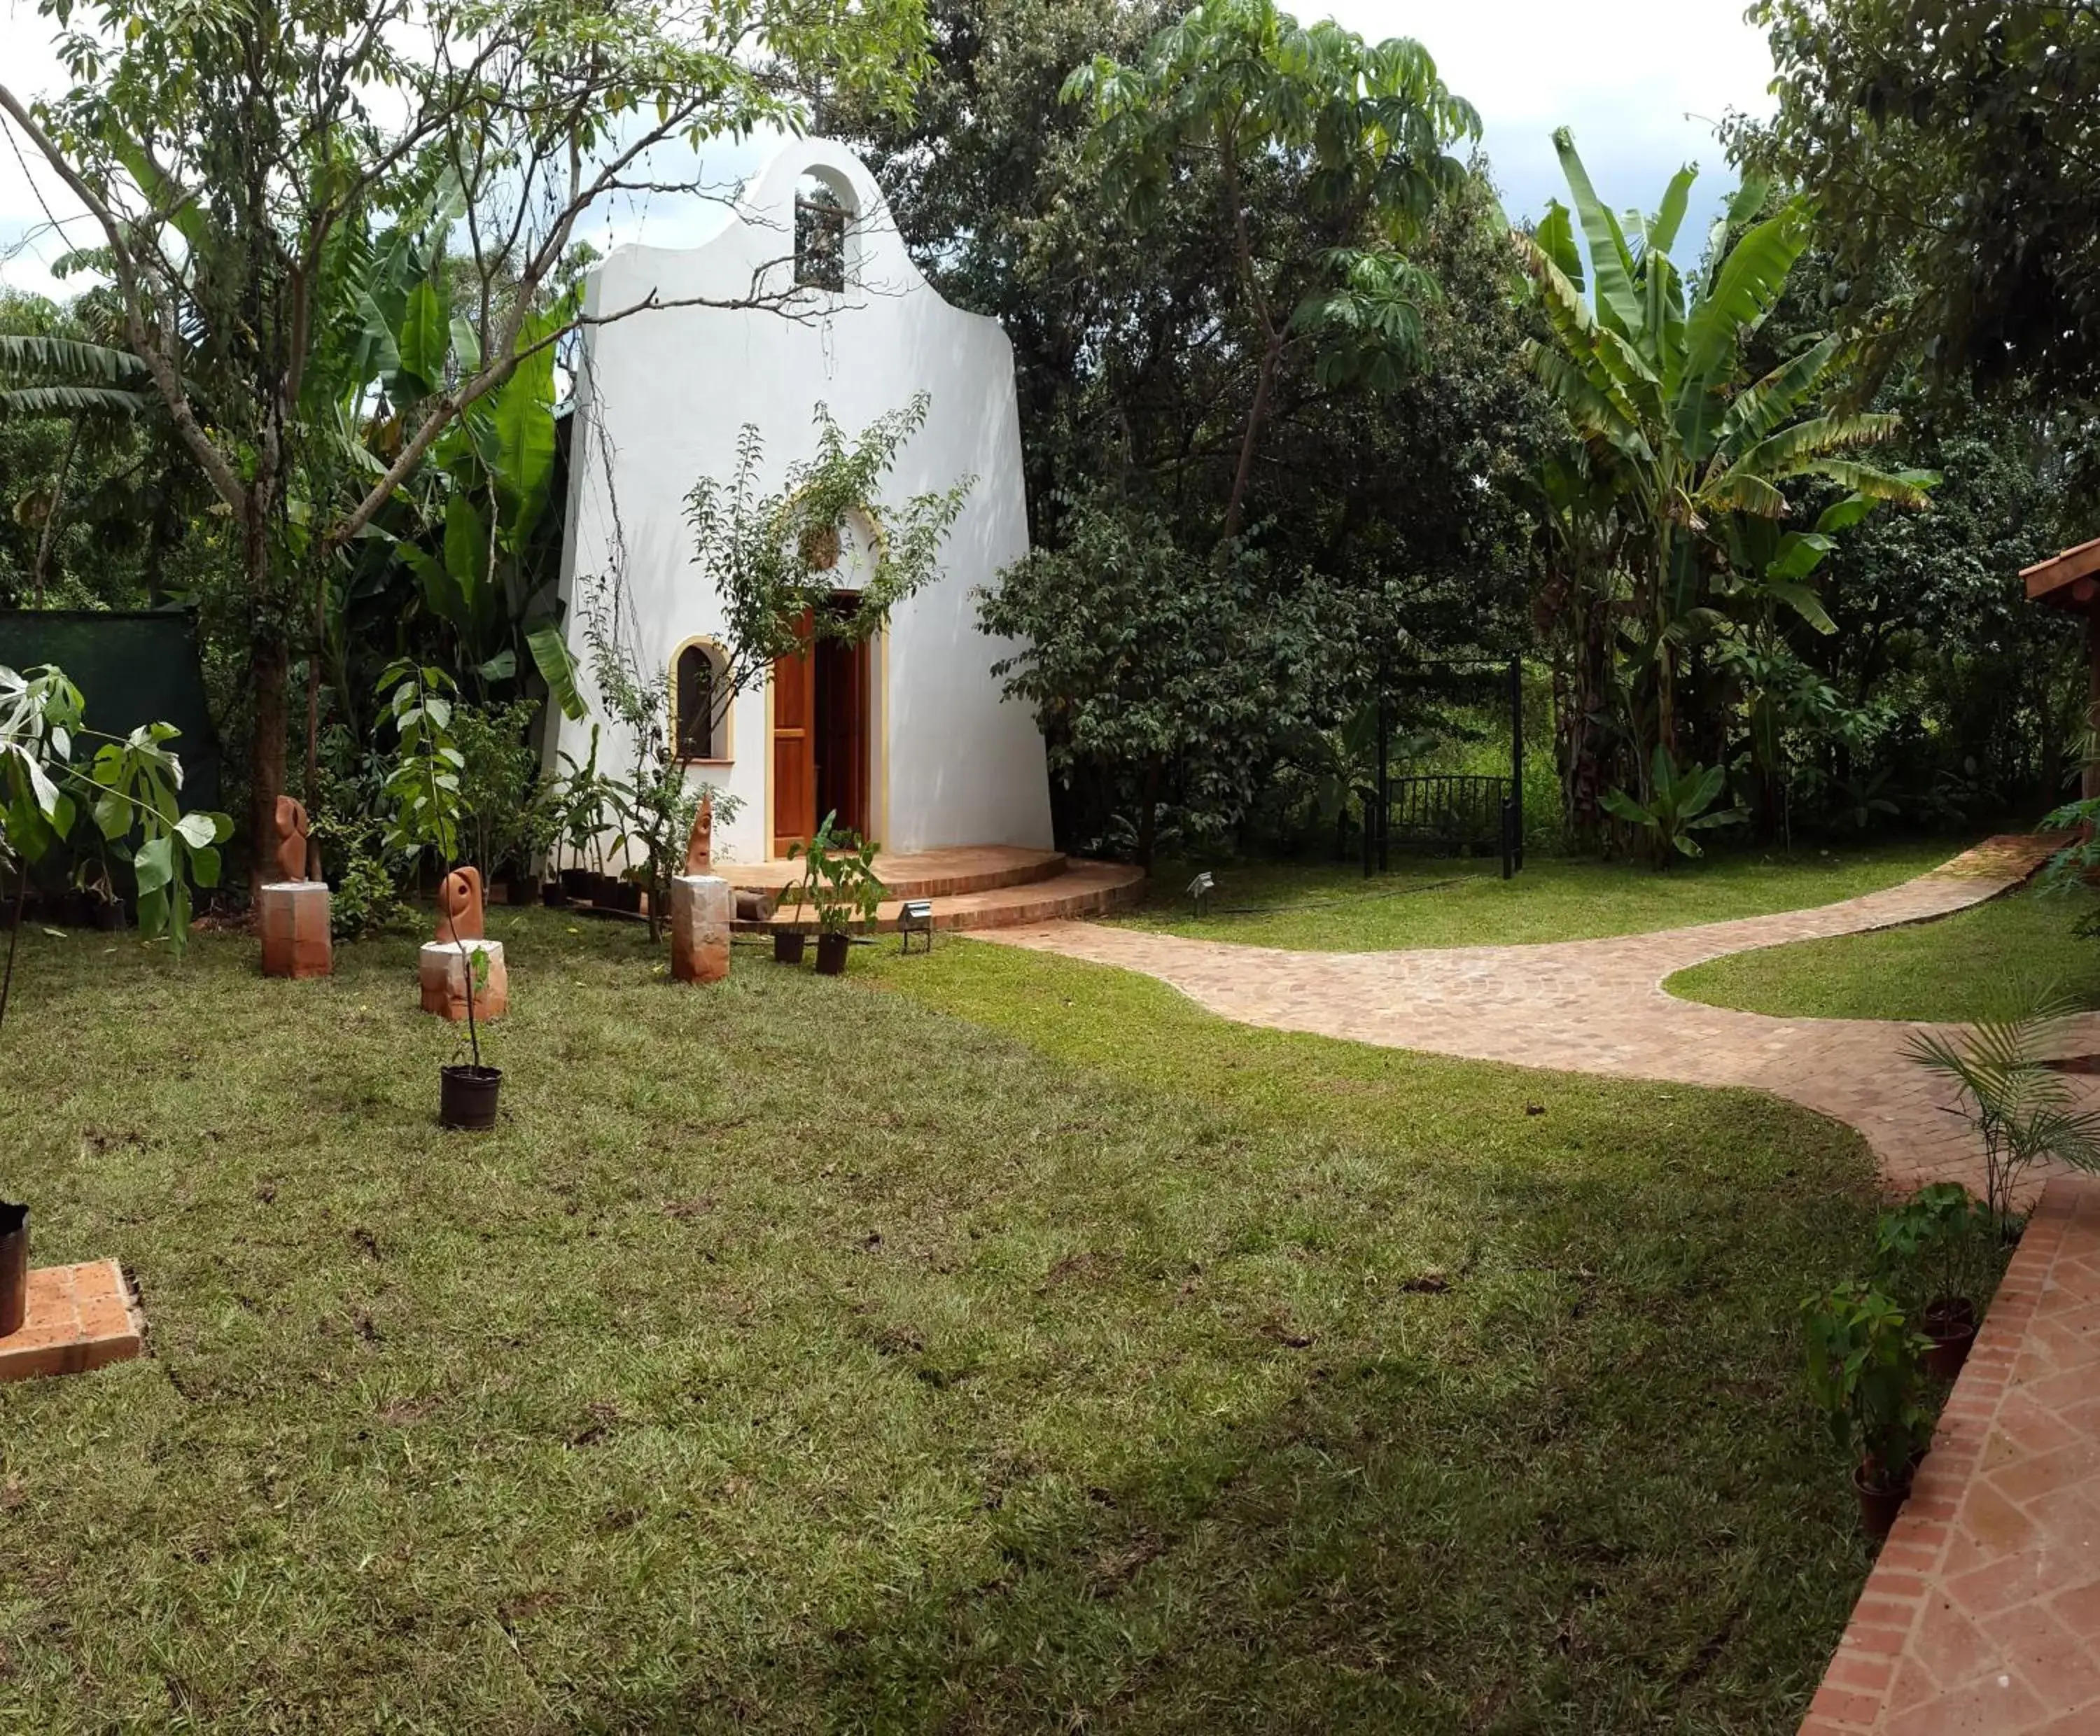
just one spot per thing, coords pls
(1454, 810)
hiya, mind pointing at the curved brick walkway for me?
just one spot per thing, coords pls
(1598, 1006)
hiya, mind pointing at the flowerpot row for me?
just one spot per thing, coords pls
(832, 945)
(73, 909)
(586, 886)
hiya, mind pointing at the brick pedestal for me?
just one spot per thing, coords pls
(442, 971)
(701, 908)
(292, 916)
(79, 1318)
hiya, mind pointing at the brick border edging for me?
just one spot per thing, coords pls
(1854, 1689)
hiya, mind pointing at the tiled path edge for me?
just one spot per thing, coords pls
(1598, 1006)
(1983, 1612)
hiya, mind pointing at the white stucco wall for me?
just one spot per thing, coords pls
(661, 398)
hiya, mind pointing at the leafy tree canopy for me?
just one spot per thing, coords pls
(1959, 140)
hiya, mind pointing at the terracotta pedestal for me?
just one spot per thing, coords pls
(293, 917)
(701, 905)
(444, 974)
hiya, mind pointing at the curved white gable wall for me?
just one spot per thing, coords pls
(662, 397)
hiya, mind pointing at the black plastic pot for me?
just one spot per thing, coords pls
(1950, 1324)
(554, 895)
(576, 882)
(108, 912)
(831, 953)
(467, 1097)
(627, 896)
(524, 889)
(788, 946)
(14, 1267)
(1879, 1504)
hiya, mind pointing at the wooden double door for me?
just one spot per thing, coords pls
(822, 739)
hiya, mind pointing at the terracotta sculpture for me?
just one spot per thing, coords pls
(700, 842)
(459, 906)
(291, 839)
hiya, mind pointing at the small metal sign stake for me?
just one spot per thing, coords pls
(917, 918)
(1200, 888)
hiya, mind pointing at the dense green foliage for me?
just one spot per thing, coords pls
(1293, 333)
(1312, 442)
(258, 178)
(1951, 144)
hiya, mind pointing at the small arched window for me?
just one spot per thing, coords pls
(696, 684)
(821, 216)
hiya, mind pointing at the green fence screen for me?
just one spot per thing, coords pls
(132, 668)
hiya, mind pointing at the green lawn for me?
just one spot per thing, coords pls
(983, 1343)
(1993, 960)
(1454, 902)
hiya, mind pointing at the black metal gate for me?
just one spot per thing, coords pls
(1452, 810)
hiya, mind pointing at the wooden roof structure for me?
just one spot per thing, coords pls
(2069, 581)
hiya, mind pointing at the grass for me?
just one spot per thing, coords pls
(1991, 960)
(1457, 902)
(985, 1342)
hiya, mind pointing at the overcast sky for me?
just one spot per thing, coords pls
(1642, 82)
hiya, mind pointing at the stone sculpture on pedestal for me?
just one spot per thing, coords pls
(447, 967)
(292, 911)
(701, 904)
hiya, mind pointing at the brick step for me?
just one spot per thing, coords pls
(1083, 889)
(955, 872)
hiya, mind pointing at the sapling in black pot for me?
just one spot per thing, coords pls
(839, 880)
(129, 790)
(425, 790)
(1935, 1252)
(1866, 1370)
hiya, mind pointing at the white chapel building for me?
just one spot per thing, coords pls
(907, 739)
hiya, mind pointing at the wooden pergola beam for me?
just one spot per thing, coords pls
(2069, 581)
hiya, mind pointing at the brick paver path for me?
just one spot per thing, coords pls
(1598, 1006)
(1981, 1617)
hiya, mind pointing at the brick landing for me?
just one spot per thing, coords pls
(989, 886)
(79, 1318)
(1981, 1617)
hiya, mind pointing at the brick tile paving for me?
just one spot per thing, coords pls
(78, 1318)
(1598, 1006)
(1981, 1617)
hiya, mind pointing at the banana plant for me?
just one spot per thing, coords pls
(1679, 803)
(1647, 361)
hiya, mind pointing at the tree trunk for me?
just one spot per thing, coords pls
(269, 674)
(1147, 815)
(48, 535)
(1235, 505)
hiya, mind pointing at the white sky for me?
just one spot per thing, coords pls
(1641, 82)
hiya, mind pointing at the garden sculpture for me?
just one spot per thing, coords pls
(700, 842)
(292, 842)
(292, 912)
(459, 906)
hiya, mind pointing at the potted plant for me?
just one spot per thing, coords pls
(424, 788)
(129, 788)
(1864, 1369)
(580, 805)
(839, 881)
(788, 942)
(2023, 1110)
(1931, 1250)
